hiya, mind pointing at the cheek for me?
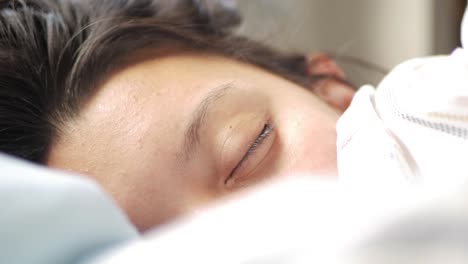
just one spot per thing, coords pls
(308, 142)
(316, 153)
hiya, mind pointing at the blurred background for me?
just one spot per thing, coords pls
(380, 32)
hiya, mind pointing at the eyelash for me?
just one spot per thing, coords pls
(267, 129)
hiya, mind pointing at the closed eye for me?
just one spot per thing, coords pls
(264, 134)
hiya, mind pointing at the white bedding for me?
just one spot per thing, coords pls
(302, 220)
(51, 217)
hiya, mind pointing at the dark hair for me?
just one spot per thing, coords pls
(54, 54)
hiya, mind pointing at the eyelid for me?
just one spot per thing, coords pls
(266, 132)
(267, 129)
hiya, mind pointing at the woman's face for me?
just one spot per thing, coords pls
(167, 135)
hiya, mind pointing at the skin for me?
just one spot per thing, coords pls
(132, 136)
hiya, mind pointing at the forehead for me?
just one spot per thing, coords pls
(147, 102)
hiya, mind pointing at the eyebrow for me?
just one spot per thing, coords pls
(192, 132)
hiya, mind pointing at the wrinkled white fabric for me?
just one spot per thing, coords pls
(412, 129)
